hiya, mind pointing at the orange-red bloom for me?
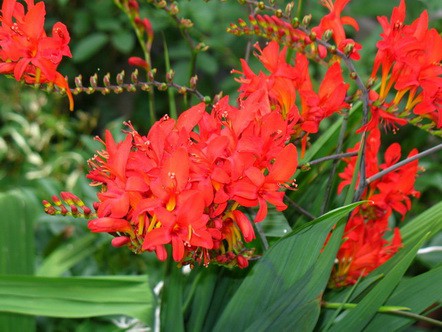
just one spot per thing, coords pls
(365, 247)
(335, 23)
(409, 58)
(26, 52)
(182, 187)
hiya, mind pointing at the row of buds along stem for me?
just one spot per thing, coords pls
(68, 205)
(135, 84)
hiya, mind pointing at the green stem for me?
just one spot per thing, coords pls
(393, 310)
(170, 92)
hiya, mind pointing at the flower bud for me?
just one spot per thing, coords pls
(169, 75)
(162, 87)
(173, 9)
(94, 80)
(306, 20)
(193, 81)
(106, 80)
(186, 23)
(151, 74)
(134, 76)
(120, 78)
(327, 35)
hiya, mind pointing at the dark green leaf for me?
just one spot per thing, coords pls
(78, 297)
(285, 274)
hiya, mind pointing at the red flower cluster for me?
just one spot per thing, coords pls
(183, 186)
(26, 52)
(365, 247)
(183, 183)
(279, 90)
(409, 57)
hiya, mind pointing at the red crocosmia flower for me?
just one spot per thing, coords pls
(409, 59)
(334, 22)
(110, 225)
(365, 247)
(26, 52)
(184, 183)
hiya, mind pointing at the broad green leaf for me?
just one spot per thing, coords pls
(358, 318)
(203, 286)
(289, 263)
(172, 300)
(429, 221)
(16, 247)
(77, 297)
(67, 256)
(417, 293)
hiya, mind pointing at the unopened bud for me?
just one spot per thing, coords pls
(173, 9)
(306, 20)
(63, 210)
(134, 76)
(46, 204)
(305, 167)
(312, 36)
(161, 4)
(169, 75)
(145, 87)
(278, 13)
(94, 80)
(87, 211)
(207, 99)
(162, 87)
(50, 210)
(193, 81)
(261, 5)
(327, 35)
(74, 210)
(201, 47)
(217, 97)
(106, 80)
(186, 23)
(353, 75)
(133, 5)
(295, 22)
(289, 8)
(182, 90)
(120, 77)
(131, 88)
(56, 200)
(348, 49)
(151, 74)
(78, 82)
(242, 23)
(138, 62)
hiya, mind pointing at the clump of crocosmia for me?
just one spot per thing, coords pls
(187, 188)
(365, 245)
(26, 52)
